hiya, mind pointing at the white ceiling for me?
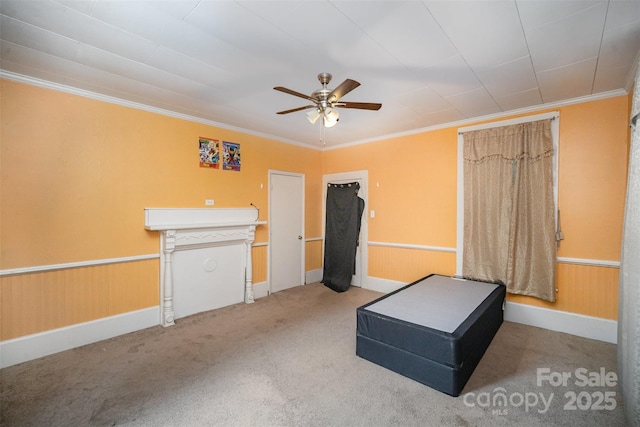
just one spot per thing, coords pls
(427, 62)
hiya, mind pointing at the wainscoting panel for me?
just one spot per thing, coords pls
(583, 289)
(259, 263)
(37, 302)
(313, 254)
(408, 264)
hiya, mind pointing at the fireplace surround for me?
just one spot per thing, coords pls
(205, 258)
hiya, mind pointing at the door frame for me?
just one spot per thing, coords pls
(270, 213)
(362, 175)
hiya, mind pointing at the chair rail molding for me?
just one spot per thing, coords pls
(213, 268)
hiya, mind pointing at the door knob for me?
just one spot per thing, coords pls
(299, 237)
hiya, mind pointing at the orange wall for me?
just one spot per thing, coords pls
(76, 176)
(77, 173)
(412, 188)
(593, 157)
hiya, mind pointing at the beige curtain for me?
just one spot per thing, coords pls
(509, 212)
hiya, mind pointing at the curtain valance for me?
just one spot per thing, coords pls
(515, 142)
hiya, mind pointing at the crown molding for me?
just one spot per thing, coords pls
(139, 106)
(122, 102)
(489, 117)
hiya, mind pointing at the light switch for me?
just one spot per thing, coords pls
(372, 214)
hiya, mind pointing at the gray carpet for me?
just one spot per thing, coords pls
(289, 360)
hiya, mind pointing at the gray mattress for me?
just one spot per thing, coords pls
(434, 330)
(436, 302)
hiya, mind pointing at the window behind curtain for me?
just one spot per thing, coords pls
(509, 207)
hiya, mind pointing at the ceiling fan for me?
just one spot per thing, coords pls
(325, 101)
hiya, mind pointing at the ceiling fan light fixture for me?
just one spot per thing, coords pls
(325, 100)
(331, 117)
(313, 116)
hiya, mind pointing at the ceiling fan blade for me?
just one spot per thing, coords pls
(294, 93)
(293, 110)
(344, 88)
(359, 105)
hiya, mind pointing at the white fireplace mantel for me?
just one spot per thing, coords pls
(194, 229)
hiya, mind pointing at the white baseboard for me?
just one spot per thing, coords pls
(260, 290)
(594, 328)
(31, 347)
(313, 276)
(561, 321)
(382, 285)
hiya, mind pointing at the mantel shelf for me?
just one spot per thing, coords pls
(203, 225)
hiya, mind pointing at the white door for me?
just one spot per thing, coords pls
(361, 178)
(286, 230)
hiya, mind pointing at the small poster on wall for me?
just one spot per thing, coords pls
(231, 156)
(209, 153)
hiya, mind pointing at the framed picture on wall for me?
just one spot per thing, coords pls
(209, 153)
(231, 156)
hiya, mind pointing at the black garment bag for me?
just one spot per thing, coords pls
(342, 230)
